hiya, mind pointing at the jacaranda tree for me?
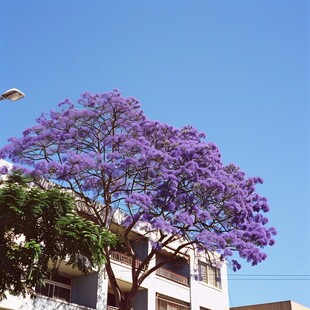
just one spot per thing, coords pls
(41, 226)
(112, 157)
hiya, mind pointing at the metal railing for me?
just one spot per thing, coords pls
(173, 276)
(165, 273)
(124, 259)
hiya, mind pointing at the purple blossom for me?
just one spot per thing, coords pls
(156, 245)
(235, 265)
(4, 170)
(103, 147)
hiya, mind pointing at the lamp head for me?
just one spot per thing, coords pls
(12, 94)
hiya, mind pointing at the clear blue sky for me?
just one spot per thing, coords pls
(237, 70)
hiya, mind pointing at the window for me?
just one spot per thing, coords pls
(165, 303)
(210, 275)
(56, 286)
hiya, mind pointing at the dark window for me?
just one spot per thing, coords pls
(210, 274)
(56, 286)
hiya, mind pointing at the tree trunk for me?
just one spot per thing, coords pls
(125, 305)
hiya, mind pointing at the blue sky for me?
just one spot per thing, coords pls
(237, 70)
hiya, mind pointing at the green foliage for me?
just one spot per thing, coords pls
(39, 226)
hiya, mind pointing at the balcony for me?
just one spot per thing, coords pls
(39, 302)
(124, 259)
(173, 276)
(162, 272)
(42, 302)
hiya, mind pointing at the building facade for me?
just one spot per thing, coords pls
(173, 287)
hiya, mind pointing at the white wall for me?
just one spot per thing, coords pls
(198, 294)
(20, 303)
(207, 296)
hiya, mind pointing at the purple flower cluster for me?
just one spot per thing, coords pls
(104, 148)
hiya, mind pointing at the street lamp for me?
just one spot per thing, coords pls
(12, 94)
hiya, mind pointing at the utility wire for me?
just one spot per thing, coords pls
(269, 279)
(268, 275)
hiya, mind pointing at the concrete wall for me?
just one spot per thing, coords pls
(281, 305)
(296, 306)
(140, 248)
(84, 290)
(198, 294)
(83, 296)
(209, 297)
(179, 266)
(141, 300)
(20, 303)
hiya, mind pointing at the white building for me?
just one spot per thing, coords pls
(173, 287)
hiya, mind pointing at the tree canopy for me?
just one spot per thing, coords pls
(113, 157)
(38, 226)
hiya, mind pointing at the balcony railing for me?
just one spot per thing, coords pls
(165, 273)
(170, 275)
(43, 302)
(124, 259)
